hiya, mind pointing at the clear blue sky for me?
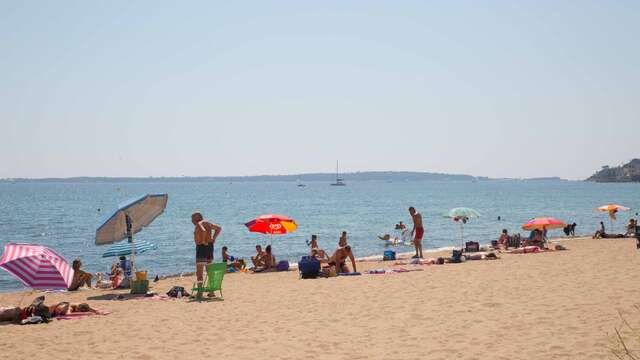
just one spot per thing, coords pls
(501, 89)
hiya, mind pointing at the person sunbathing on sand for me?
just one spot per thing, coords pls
(79, 277)
(339, 257)
(64, 308)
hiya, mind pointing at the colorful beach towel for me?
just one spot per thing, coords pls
(80, 315)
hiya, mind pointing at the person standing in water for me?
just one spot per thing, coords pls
(417, 231)
(204, 234)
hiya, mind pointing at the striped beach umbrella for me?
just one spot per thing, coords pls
(36, 266)
(124, 248)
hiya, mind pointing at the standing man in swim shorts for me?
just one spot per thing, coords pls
(204, 235)
(417, 231)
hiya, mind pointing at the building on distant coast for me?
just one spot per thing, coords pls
(629, 172)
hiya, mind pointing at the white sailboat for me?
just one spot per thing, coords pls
(339, 180)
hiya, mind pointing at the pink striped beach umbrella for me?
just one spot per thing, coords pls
(37, 266)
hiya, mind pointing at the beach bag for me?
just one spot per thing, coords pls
(472, 246)
(174, 291)
(389, 255)
(456, 257)
(309, 267)
(283, 265)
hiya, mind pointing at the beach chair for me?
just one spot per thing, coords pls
(212, 280)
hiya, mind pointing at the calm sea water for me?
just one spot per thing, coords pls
(65, 216)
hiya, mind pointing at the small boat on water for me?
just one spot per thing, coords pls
(339, 180)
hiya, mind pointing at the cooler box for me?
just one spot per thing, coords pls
(139, 286)
(389, 255)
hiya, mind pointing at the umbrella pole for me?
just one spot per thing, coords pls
(133, 244)
(461, 236)
(611, 224)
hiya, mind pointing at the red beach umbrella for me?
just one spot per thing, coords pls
(272, 224)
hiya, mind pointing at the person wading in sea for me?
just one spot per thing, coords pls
(417, 231)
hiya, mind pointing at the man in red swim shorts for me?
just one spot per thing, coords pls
(417, 231)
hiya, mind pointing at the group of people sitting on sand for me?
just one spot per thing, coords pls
(536, 238)
(263, 260)
(601, 233)
(118, 278)
(338, 260)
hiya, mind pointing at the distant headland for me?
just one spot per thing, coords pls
(629, 172)
(391, 176)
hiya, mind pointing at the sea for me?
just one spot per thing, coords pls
(64, 216)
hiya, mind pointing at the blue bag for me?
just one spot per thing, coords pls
(309, 267)
(389, 255)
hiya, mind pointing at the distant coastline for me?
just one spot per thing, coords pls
(354, 176)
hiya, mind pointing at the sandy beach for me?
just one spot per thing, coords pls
(554, 305)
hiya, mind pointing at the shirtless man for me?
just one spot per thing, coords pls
(339, 257)
(417, 231)
(204, 235)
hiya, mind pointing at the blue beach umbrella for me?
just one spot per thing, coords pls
(130, 218)
(124, 248)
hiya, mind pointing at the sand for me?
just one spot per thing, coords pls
(555, 305)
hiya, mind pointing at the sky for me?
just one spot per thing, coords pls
(206, 88)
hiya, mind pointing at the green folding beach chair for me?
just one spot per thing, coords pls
(213, 279)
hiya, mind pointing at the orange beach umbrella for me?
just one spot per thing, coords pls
(541, 223)
(612, 209)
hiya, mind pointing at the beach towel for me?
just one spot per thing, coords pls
(390, 271)
(80, 315)
(353, 273)
(158, 297)
(525, 250)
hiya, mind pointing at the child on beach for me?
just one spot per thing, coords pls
(232, 262)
